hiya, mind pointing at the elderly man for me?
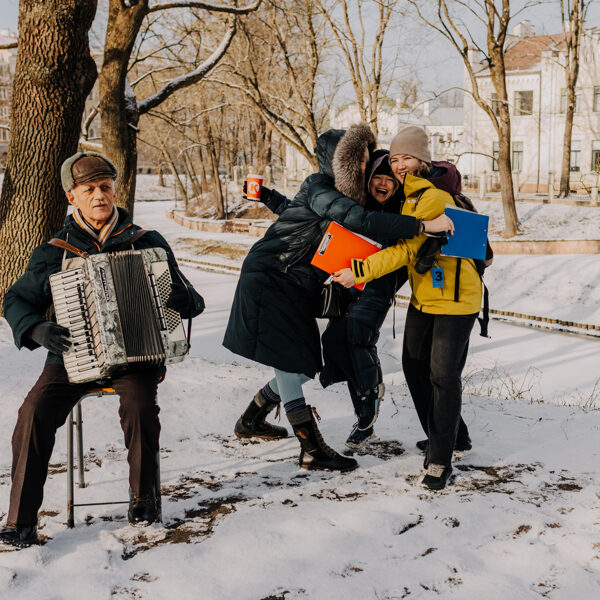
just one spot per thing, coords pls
(96, 225)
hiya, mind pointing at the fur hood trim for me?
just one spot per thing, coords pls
(349, 152)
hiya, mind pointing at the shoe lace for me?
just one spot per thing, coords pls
(278, 412)
(321, 442)
(316, 414)
(435, 470)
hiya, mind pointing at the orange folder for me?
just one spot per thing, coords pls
(339, 246)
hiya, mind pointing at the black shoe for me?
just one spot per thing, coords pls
(315, 453)
(359, 437)
(20, 536)
(459, 446)
(142, 509)
(367, 406)
(437, 476)
(252, 423)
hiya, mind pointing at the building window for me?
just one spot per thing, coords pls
(2, 93)
(596, 102)
(495, 153)
(494, 104)
(3, 135)
(524, 102)
(563, 100)
(517, 156)
(575, 155)
(596, 156)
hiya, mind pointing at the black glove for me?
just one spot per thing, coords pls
(52, 336)
(265, 193)
(429, 250)
(179, 299)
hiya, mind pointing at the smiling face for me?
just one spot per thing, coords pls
(381, 187)
(95, 200)
(402, 164)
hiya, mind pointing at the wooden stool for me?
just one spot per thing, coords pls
(75, 418)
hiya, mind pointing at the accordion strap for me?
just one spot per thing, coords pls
(66, 246)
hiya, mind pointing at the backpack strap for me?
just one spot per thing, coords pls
(131, 241)
(457, 279)
(485, 318)
(66, 246)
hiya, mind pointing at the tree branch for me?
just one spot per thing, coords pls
(244, 10)
(190, 78)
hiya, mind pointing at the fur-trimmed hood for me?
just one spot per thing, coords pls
(349, 152)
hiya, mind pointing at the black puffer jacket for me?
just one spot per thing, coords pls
(272, 317)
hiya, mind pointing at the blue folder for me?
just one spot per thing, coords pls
(470, 234)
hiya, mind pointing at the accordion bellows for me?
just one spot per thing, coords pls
(114, 306)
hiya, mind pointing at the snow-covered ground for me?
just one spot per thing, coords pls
(241, 521)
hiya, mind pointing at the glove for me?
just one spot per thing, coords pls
(179, 299)
(429, 250)
(51, 336)
(265, 193)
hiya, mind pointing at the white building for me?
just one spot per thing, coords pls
(537, 96)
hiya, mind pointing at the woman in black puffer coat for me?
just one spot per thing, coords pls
(272, 317)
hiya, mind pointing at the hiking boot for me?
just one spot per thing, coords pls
(315, 453)
(367, 408)
(359, 437)
(20, 536)
(252, 423)
(142, 509)
(460, 445)
(437, 476)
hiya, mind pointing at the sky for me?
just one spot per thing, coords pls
(437, 64)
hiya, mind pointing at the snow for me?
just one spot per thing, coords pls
(241, 521)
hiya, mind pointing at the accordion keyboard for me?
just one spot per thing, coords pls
(75, 310)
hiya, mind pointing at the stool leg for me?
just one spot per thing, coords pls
(70, 491)
(80, 467)
(157, 489)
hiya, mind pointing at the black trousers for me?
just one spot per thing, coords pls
(434, 353)
(47, 407)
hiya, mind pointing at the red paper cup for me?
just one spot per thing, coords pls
(253, 183)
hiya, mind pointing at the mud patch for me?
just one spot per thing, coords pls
(383, 449)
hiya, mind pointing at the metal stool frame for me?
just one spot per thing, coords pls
(76, 419)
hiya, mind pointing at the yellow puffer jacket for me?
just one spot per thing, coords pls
(425, 201)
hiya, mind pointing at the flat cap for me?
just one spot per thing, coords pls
(83, 167)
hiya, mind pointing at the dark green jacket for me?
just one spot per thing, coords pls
(28, 300)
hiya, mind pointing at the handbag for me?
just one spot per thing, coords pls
(334, 301)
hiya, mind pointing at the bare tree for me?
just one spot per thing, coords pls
(573, 16)
(120, 109)
(275, 66)
(493, 18)
(364, 61)
(54, 73)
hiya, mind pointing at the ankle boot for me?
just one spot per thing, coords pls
(252, 423)
(315, 453)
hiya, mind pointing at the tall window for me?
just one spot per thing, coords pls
(575, 155)
(596, 102)
(495, 153)
(517, 156)
(524, 102)
(494, 103)
(563, 100)
(596, 155)
(3, 135)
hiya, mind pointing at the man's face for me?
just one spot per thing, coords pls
(95, 200)
(382, 187)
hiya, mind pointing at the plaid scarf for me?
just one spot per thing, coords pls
(106, 230)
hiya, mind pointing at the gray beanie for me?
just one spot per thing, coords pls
(411, 140)
(93, 166)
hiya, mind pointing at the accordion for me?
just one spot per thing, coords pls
(114, 306)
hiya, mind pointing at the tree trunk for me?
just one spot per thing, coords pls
(119, 114)
(175, 172)
(54, 74)
(565, 170)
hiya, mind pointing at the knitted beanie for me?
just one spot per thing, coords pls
(411, 140)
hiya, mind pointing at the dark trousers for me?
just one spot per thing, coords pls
(434, 353)
(47, 407)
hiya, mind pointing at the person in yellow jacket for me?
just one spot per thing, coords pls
(444, 304)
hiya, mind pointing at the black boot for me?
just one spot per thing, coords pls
(315, 453)
(252, 423)
(20, 536)
(461, 445)
(142, 509)
(366, 408)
